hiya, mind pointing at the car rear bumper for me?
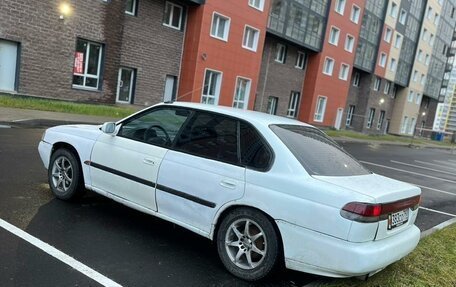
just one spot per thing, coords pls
(313, 252)
(44, 150)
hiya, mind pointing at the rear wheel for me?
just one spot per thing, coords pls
(247, 244)
(65, 176)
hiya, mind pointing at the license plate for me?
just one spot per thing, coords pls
(397, 219)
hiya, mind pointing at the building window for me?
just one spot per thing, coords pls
(351, 111)
(301, 60)
(393, 10)
(320, 109)
(250, 40)
(393, 92)
(377, 83)
(425, 34)
(281, 53)
(241, 96)
(130, 9)
(356, 77)
(427, 60)
(211, 88)
(344, 70)
(431, 40)
(125, 84)
(382, 60)
(411, 127)
(388, 35)
(398, 41)
(257, 4)
(429, 12)
(334, 36)
(393, 65)
(370, 119)
(340, 6)
(349, 43)
(387, 87)
(87, 64)
(173, 15)
(415, 75)
(410, 97)
(418, 99)
(420, 56)
(380, 120)
(405, 122)
(436, 19)
(293, 105)
(272, 105)
(220, 26)
(403, 17)
(423, 79)
(328, 66)
(354, 16)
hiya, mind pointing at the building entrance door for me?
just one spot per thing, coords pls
(8, 65)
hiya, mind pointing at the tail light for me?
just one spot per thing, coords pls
(373, 212)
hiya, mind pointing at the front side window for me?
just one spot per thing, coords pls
(220, 27)
(242, 92)
(320, 109)
(210, 136)
(250, 40)
(211, 87)
(255, 153)
(173, 15)
(87, 64)
(157, 127)
(292, 111)
(317, 153)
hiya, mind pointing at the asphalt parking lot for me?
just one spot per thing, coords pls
(133, 249)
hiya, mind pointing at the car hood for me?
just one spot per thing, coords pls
(382, 189)
(86, 131)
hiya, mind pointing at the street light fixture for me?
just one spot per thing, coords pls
(65, 10)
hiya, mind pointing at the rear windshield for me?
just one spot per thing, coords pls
(317, 153)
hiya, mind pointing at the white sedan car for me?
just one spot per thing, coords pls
(268, 190)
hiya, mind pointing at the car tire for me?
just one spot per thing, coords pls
(250, 255)
(65, 175)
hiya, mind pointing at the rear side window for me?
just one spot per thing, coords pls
(317, 153)
(254, 151)
(211, 136)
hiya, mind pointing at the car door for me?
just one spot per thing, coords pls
(126, 164)
(202, 172)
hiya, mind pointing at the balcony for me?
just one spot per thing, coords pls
(445, 83)
(448, 67)
(451, 52)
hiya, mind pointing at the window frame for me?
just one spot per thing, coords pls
(381, 119)
(85, 74)
(349, 48)
(332, 66)
(388, 35)
(402, 19)
(281, 53)
(356, 79)
(387, 87)
(322, 115)
(247, 93)
(255, 39)
(355, 7)
(371, 117)
(334, 28)
(337, 4)
(181, 18)
(134, 8)
(252, 4)
(344, 77)
(383, 59)
(301, 60)
(226, 31)
(377, 84)
(293, 104)
(275, 101)
(398, 41)
(218, 86)
(350, 113)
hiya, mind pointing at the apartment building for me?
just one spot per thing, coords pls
(126, 51)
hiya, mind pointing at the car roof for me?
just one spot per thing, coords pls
(248, 115)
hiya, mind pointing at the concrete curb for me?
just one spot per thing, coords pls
(416, 146)
(441, 226)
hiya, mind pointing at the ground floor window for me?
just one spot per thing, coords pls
(211, 87)
(272, 105)
(380, 120)
(125, 85)
(9, 54)
(87, 64)
(293, 105)
(242, 92)
(405, 123)
(170, 89)
(370, 119)
(351, 111)
(320, 109)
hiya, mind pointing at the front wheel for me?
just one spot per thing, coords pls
(65, 176)
(247, 244)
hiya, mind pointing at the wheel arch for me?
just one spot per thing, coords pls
(224, 211)
(64, 145)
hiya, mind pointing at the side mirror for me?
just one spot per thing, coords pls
(108, 128)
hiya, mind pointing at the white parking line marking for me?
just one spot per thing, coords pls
(446, 163)
(436, 211)
(434, 164)
(422, 167)
(434, 189)
(406, 171)
(70, 261)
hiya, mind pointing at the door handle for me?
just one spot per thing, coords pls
(228, 183)
(148, 161)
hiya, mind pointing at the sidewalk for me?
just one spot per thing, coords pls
(408, 144)
(33, 118)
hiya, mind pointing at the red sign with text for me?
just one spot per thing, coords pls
(78, 67)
